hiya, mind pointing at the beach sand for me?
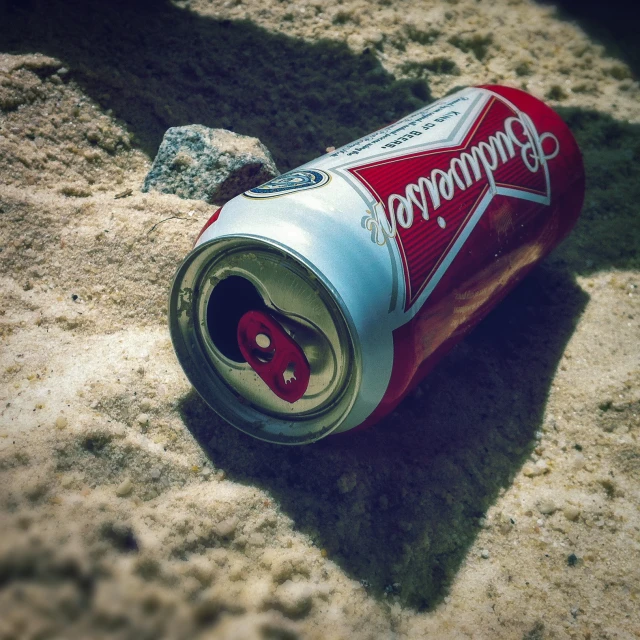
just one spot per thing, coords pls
(500, 500)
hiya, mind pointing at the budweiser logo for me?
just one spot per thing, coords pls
(427, 200)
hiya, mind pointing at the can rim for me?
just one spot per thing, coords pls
(216, 392)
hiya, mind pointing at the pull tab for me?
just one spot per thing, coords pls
(273, 355)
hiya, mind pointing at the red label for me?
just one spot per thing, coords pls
(207, 224)
(430, 201)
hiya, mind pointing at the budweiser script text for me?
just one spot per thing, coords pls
(476, 163)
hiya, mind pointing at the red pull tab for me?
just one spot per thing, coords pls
(274, 355)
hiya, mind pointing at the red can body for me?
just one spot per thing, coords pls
(512, 236)
(410, 236)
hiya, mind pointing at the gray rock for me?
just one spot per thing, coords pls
(214, 165)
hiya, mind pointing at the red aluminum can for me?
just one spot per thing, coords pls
(314, 303)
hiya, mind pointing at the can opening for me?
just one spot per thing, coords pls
(229, 301)
(305, 345)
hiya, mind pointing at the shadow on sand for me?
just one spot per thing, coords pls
(613, 24)
(156, 66)
(424, 477)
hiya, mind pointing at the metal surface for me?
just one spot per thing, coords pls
(376, 259)
(302, 306)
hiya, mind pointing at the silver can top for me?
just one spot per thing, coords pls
(263, 339)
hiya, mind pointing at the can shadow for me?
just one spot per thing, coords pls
(397, 507)
(157, 66)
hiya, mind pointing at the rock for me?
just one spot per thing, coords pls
(546, 507)
(124, 488)
(485, 554)
(214, 165)
(571, 512)
(142, 419)
(146, 404)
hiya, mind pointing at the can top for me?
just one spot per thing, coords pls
(263, 339)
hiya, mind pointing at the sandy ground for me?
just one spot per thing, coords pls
(499, 501)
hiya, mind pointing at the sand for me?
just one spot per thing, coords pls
(499, 501)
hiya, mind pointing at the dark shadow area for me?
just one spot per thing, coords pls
(156, 66)
(400, 504)
(607, 234)
(613, 24)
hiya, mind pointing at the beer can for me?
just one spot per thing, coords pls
(314, 303)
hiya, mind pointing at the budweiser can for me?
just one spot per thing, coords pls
(314, 303)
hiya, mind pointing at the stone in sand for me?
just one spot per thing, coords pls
(199, 163)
